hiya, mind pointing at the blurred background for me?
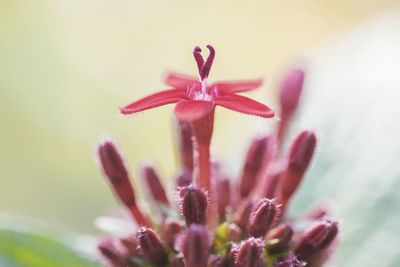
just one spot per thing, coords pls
(66, 67)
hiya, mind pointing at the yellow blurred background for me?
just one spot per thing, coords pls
(66, 67)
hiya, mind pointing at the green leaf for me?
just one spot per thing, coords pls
(25, 249)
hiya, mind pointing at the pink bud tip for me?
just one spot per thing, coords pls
(290, 92)
(154, 184)
(250, 253)
(185, 178)
(193, 204)
(110, 253)
(316, 239)
(151, 247)
(194, 245)
(264, 215)
(290, 261)
(170, 230)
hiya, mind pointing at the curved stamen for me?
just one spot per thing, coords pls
(199, 58)
(207, 65)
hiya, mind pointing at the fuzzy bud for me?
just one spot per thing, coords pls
(151, 247)
(250, 253)
(193, 204)
(114, 169)
(301, 152)
(194, 245)
(290, 261)
(263, 216)
(153, 182)
(315, 240)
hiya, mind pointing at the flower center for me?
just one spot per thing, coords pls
(205, 92)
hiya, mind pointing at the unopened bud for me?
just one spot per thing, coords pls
(170, 230)
(272, 182)
(114, 169)
(278, 239)
(185, 178)
(258, 155)
(223, 195)
(301, 152)
(290, 92)
(250, 253)
(290, 261)
(186, 145)
(241, 216)
(110, 253)
(194, 245)
(315, 240)
(151, 247)
(193, 204)
(130, 244)
(263, 216)
(154, 184)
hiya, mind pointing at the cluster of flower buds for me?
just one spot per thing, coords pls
(217, 221)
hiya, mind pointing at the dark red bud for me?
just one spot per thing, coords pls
(193, 204)
(250, 253)
(281, 237)
(186, 146)
(194, 245)
(151, 247)
(154, 185)
(272, 183)
(110, 253)
(170, 230)
(259, 153)
(263, 216)
(290, 261)
(114, 169)
(242, 214)
(223, 188)
(300, 156)
(316, 239)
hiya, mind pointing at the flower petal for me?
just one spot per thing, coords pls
(244, 105)
(230, 87)
(193, 110)
(155, 100)
(181, 81)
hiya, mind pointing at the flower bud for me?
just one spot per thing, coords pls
(315, 240)
(186, 145)
(185, 178)
(130, 244)
(278, 239)
(259, 153)
(263, 216)
(194, 245)
(272, 182)
(170, 230)
(114, 169)
(223, 195)
(241, 216)
(151, 247)
(290, 261)
(300, 156)
(250, 253)
(110, 253)
(193, 204)
(290, 92)
(153, 182)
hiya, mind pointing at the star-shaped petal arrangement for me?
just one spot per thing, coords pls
(195, 99)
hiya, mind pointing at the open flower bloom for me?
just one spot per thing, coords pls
(196, 98)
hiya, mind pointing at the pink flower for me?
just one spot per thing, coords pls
(196, 98)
